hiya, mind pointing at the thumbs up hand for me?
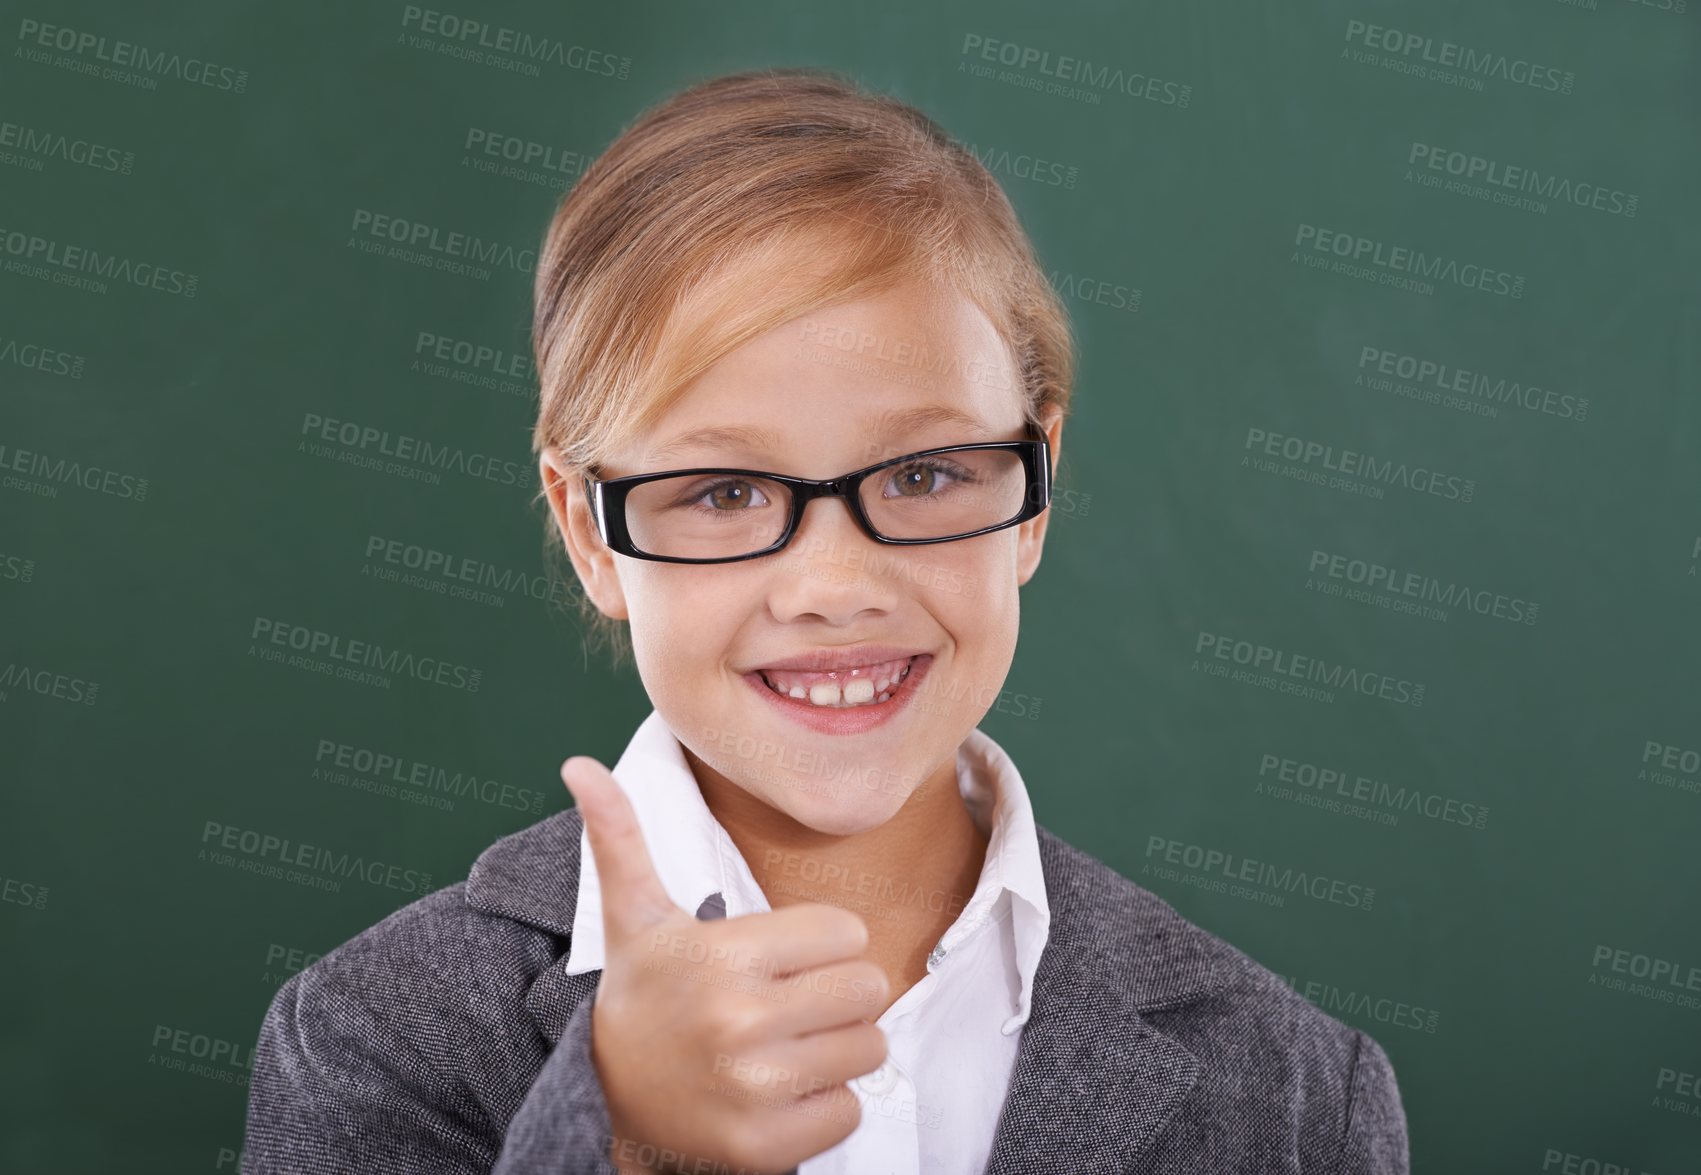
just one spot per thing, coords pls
(729, 1040)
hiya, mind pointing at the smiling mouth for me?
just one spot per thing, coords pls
(841, 689)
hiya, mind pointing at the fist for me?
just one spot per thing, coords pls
(729, 1040)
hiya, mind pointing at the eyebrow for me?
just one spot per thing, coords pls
(890, 423)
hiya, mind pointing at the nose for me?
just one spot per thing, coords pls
(828, 524)
(825, 571)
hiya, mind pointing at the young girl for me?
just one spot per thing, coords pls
(803, 391)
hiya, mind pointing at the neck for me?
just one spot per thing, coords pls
(908, 879)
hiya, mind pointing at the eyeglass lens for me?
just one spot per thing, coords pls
(718, 515)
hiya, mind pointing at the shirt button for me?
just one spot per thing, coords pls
(937, 954)
(882, 1080)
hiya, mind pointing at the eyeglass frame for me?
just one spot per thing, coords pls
(607, 497)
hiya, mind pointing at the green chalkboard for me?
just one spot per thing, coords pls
(1377, 551)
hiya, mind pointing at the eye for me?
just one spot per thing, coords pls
(925, 477)
(729, 495)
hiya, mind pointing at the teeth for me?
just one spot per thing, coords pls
(855, 690)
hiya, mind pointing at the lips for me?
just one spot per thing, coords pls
(800, 683)
(841, 657)
(838, 715)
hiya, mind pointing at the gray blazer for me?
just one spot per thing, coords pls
(447, 1038)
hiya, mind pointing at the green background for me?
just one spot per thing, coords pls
(123, 945)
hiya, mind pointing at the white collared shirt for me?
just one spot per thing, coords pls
(951, 1039)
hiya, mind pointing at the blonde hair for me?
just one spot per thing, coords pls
(634, 297)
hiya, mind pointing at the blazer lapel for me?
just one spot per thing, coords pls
(532, 876)
(1095, 1082)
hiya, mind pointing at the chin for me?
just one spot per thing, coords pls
(834, 808)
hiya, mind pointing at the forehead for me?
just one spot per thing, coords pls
(912, 367)
(891, 428)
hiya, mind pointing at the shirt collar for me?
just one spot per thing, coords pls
(696, 859)
(997, 799)
(692, 853)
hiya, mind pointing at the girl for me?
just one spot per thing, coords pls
(803, 391)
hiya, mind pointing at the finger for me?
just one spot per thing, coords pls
(797, 937)
(797, 1130)
(813, 1063)
(633, 897)
(824, 998)
(810, 1124)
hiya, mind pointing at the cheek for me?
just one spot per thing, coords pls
(978, 582)
(682, 620)
(656, 608)
(975, 599)
(670, 603)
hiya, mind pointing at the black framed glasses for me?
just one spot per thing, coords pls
(723, 515)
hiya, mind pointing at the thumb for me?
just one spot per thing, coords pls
(633, 897)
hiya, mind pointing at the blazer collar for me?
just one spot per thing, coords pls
(1086, 1058)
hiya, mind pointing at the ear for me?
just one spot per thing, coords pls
(565, 488)
(1031, 534)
